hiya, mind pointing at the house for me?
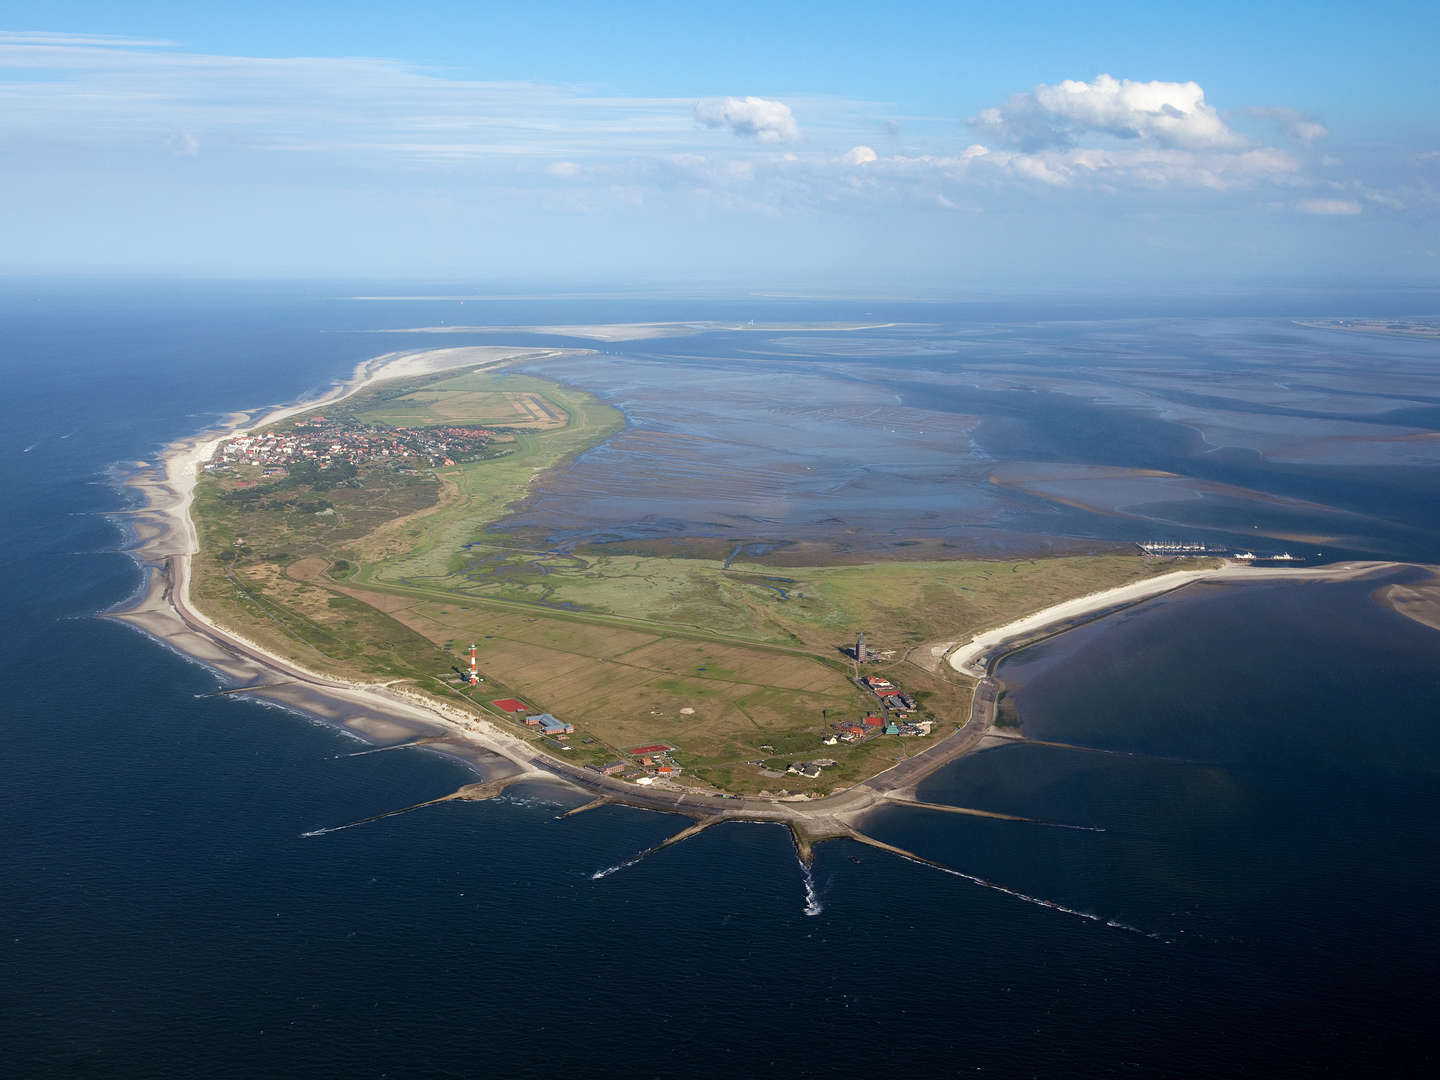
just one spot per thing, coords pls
(612, 768)
(551, 726)
(892, 728)
(804, 768)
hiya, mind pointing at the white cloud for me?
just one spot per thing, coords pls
(1294, 124)
(753, 117)
(1381, 198)
(127, 95)
(128, 101)
(1164, 113)
(183, 144)
(44, 37)
(1330, 207)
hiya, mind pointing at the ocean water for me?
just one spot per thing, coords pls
(1261, 763)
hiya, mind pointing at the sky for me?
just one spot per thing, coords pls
(898, 149)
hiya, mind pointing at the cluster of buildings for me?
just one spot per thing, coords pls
(891, 718)
(643, 765)
(892, 698)
(332, 442)
(547, 724)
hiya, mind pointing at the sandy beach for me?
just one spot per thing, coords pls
(972, 657)
(168, 540)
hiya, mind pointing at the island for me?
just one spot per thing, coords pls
(347, 557)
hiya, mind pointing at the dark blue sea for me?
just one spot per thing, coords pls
(1261, 762)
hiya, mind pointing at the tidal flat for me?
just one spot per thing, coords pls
(1013, 439)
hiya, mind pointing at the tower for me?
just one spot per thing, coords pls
(861, 653)
(474, 671)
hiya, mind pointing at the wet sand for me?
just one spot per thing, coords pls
(1420, 602)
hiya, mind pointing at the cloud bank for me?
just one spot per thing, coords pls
(160, 115)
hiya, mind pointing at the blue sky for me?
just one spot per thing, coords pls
(931, 148)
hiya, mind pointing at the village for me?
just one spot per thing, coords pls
(331, 443)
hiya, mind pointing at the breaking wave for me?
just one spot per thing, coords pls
(813, 906)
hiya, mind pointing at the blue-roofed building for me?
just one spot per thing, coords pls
(551, 726)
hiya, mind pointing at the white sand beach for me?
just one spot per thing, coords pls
(970, 657)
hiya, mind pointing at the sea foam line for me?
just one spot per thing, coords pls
(1036, 900)
(598, 874)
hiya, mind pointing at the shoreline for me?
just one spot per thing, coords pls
(976, 657)
(166, 539)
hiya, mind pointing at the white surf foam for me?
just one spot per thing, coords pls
(813, 906)
(617, 867)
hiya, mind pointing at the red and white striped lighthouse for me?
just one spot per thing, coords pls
(474, 671)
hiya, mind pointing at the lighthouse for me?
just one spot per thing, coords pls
(474, 671)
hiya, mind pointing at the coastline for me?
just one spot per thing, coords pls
(167, 540)
(976, 657)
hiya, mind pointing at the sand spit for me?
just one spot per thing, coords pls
(974, 657)
(640, 331)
